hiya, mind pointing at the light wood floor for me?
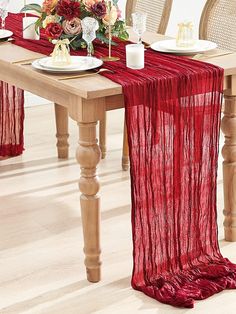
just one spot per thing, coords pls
(41, 259)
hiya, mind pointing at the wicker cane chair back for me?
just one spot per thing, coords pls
(158, 13)
(218, 23)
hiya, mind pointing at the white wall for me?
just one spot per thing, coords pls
(185, 10)
(181, 10)
(16, 5)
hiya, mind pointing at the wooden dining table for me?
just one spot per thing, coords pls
(86, 100)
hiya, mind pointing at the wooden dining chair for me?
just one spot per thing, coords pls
(218, 23)
(158, 13)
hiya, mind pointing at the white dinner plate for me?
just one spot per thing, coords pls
(78, 64)
(170, 46)
(4, 33)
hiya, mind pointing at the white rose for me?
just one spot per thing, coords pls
(50, 19)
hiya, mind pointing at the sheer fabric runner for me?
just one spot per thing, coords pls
(173, 119)
(11, 120)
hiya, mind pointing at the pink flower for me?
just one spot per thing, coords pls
(72, 27)
(89, 3)
(119, 13)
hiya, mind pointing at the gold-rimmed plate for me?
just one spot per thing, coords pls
(4, 34)
(169, 46)
(79, 63)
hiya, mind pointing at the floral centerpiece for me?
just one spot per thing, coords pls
(61, 19)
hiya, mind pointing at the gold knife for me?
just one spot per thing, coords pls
(27, 61)
(83, 75)
(202, 56)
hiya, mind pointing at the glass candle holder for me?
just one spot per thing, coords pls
(135, 56)
(29, 31)
(185, 35)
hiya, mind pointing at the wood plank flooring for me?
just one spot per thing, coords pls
(41, 258)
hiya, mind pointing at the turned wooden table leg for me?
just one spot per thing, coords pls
(61, 115)
(102, 136)
(88, 156)
(125, 152)
(229, 167)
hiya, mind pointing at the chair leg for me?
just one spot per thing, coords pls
(102, 136)
(61, 116)
(125, 156)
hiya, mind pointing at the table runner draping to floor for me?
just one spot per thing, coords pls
(173, 118)
(11, 120)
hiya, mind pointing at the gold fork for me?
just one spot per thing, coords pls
(84, 75)
(27, 61)
(201, 56)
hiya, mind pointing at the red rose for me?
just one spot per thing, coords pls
(99, 9)
(53, 30)
(68, 9)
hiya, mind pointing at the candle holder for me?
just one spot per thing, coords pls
(135, 56)
(29, 30)
(109, 57)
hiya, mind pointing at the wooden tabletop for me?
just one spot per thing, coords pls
(27, 78)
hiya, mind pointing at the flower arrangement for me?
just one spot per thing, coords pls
(61, 19)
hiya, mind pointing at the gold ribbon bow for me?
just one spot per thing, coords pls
(186, 24)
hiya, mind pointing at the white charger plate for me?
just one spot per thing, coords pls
(78, 64)
(170, 46)
(4, 33)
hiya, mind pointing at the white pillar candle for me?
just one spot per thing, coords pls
(29, 31)
(135, 56)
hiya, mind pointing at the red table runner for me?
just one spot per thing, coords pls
(173, 117)
(11, 120)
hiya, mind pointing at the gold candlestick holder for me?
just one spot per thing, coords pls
(109, 57)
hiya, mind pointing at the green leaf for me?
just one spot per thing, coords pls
(104, 39)
(38, 25)
(78, 44)
(32, 7)
(124, 36)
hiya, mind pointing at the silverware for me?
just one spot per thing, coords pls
(7, 41)
(146, 45)
(26, 61)
(202, 56)
(84, 75)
